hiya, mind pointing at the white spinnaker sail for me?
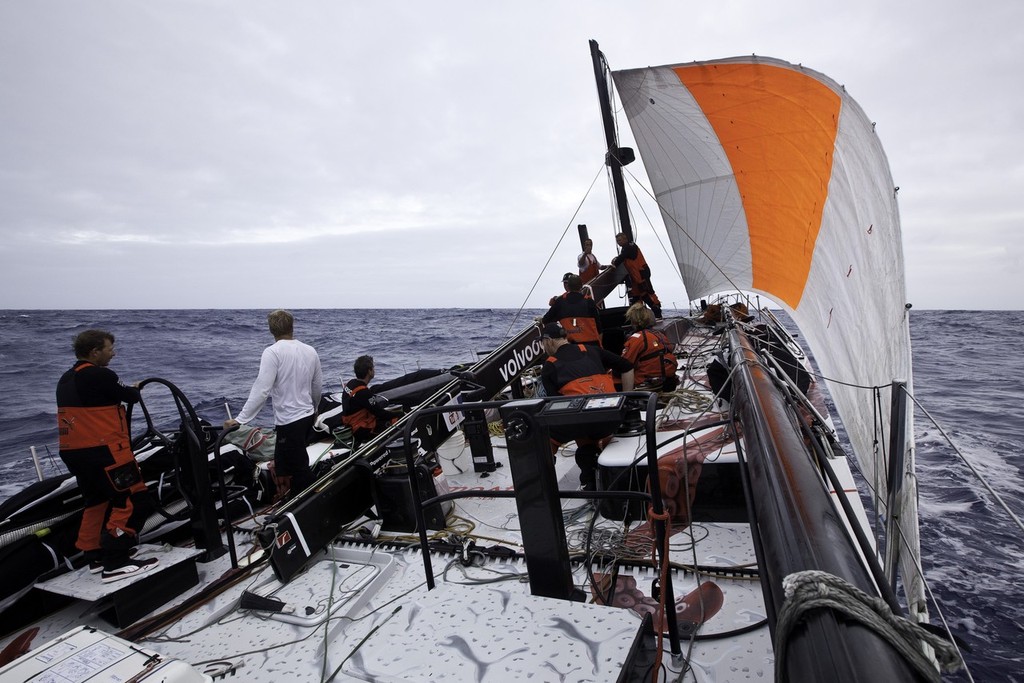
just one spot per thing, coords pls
(771, 179)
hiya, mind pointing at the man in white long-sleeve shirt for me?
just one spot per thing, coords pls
(290, 375)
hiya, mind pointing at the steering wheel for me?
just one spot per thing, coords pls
(191, 427)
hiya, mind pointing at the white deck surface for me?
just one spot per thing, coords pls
(470, 633)
(84, 585)
(344, 618)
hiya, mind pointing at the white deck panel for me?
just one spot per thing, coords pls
(84, 585)
(489, 633)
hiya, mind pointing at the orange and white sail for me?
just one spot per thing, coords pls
(771, 179)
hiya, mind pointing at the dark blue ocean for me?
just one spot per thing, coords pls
(967, 375)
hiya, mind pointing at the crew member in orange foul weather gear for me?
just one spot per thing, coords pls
(577, 314)
(95, 444)
(572, 369)
(638, 274)
(649, 351)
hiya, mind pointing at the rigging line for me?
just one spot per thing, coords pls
(612, 90)
(671, 257)
(868, 387)
(976, 473)
(330, 601)
(919, 570)
(55, 464)
(650, 223)
(552, 254)
(688, 236)
(878, 446)
(873, 387)
(613, 207)
(816, 373)
(616, 224)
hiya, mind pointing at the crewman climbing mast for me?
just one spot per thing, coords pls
(638, 274)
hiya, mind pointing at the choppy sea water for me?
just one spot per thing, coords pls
(967, 376)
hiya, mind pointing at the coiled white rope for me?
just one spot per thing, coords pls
(812, 589)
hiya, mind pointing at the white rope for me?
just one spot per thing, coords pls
(811, 590)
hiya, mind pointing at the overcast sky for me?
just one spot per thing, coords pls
(339, 154)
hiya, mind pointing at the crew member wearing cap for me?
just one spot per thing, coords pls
(577, 313)
(584, 290)
(579, 369)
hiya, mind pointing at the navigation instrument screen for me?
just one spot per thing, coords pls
(570, 404)
(604, 402)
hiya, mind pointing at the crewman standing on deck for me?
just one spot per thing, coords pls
(291, 376)
(638, 274)
(96, 447)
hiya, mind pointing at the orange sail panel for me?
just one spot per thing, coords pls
(778, 128)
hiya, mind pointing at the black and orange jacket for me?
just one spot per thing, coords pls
(636, 265)
(651, 355)
(358, 411)
(579, 316)
(581, 369)
(89, 408)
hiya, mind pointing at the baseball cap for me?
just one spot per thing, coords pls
(552, 331)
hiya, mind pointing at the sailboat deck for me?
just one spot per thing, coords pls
(369, 610)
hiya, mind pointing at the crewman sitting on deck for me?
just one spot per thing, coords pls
(579, 369)
(363, 412)
(650, 352)
(576, 313)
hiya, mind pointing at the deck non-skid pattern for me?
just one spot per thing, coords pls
(344, 605)
(84, 585)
